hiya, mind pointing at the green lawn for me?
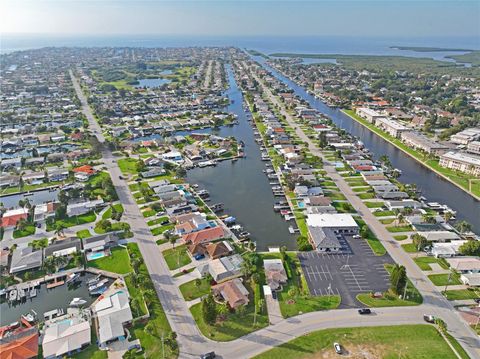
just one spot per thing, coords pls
(73, 221)
(383, 213)
(128, 165)
(84, 233)
(149, 213)
(389, 299)
(28, 231)
(396, 229)
(117, 262)
(108, 213)
(403, 341)
(190, 291)
(159, 230)
(442, 279)
(409, 248)
(400, 237)
(462, 294)
(116, 226)
(177, 257)
(387, 220)
(151, 343)
(157, 221)
(424, 262)
(233, 327)
(373, 204)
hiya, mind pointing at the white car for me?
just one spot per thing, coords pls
(338, 348)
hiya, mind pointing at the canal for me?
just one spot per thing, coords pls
(431, 185)
(46, 300)
(241, 185)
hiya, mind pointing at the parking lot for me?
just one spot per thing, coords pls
(356, 269)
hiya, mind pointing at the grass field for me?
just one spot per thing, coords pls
(73, 221)
(190, 291)
(117, 262)
(84, 233)
(403, 341)
(409, 247)
(442, 279)
(28, 231)
(233, 326)
(108, 213)
(128, 165)
(177, 257)
(424, 262)
(462, 294)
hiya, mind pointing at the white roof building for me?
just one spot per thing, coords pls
(225, 268)
(65, 336)
(112, 312)
(331, 220)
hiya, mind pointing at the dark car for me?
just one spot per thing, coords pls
(364, 311)
(199, 256)
(477, 300)
(210, 355)
(138, 179)
(120, 177)
(274, 294)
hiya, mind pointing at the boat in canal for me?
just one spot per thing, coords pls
(97, 285)
(217, 207)
(94, 280)
(77, 302)
(72, 278)
(98, 291)
(12, 295)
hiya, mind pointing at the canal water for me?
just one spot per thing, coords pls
(35, 198)
(242, 186)
(432, 186)
(46, 300)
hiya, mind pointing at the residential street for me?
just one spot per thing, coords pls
(192, 343)
(437, 304)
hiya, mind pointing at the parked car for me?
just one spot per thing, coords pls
(159, 214)
(429, 318)
(199, 256)
(274, 294)
(477, 300)
(357, 236)
(121, 177)
(364, 311)
(165, 222)
(210, 355)
(338, 348)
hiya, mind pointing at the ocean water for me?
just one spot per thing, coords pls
(266, 44)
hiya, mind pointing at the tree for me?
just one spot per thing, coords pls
(61, 212)
(241, 311)
(447, 216)
(442, 326)
(470, 248)
(198, 282)
(292, 292)
(180, 172)
(140, 166)
(398, 279)
(209, 310)
(60, 228)
(400, 219)
(463, 226)
(172, 240)
(222, 309)
(428, 218)
(419, 241)
(21, 224)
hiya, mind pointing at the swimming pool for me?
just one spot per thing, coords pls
(95, 255)
(301, 204)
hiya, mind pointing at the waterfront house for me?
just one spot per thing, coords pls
(57, 174)
(446, 250)
(25, 258)
(153, 172)
(197, 222)
(100, 242)
(63, 247)
(22, 343)
(275, 274)
(111, 313)
(7, 180)
(232, 292)
(219, 249)
(225, 268)
(205, 235)
(45, 210)
(76, 209)
(11, 217)
(65, 337)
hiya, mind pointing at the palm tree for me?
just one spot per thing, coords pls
(222, 309)
(447, 216)
(400, 219)
(60, 229)
(463, 226)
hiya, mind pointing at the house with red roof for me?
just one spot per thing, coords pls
(205, 235)
(20, 344)
(10, 218)
(84, 172)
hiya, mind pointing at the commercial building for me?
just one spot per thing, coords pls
(369, 114)
(325, 230)
(423, 143)
(392, 127)
(466, 136)
(461, 161)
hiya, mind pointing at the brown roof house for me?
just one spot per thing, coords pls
(219, 249)
(232, 292)
(275, 274)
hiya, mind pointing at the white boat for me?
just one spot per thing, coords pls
(94, 280)
(29, 317)
(72, 277)
(98, 285)
(76, 302)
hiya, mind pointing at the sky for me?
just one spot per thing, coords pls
(242, 17)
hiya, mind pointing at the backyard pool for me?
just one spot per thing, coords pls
(95, 255)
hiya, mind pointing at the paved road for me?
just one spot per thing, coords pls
(433, 298)
(191, 342)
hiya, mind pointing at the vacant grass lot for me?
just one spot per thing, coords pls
(462, 294)
(424, 262)
(117, 262)
(128, 166)
(108, 213)
(84, 233)
(73, 221)
(403, 341)
(443, 279)
(27, 231)
(177, 257)
(190, 291)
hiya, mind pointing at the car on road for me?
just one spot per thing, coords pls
(364, 311)
(477, 300)
(121, 177)
(274, 294)
(338, 348)
(429, 318)
(210, 355)
(138, 179)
